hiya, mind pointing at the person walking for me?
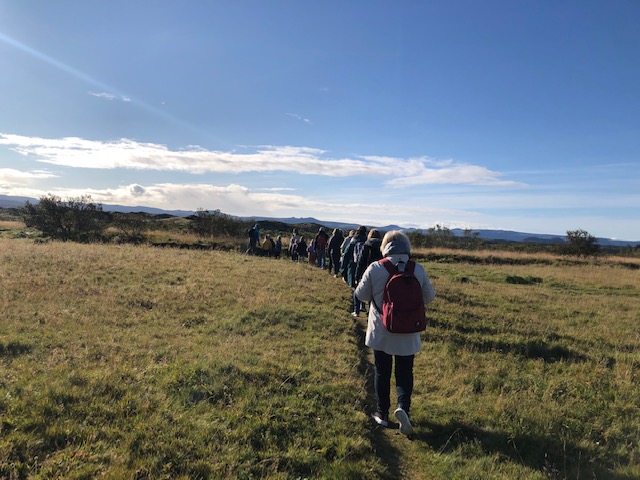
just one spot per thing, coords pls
(321, 241)
(278, 249)
(293, 245)
(254, 239)
(334, 251)
(351, 258)
(389, 347)
(343, 252)
(371, 252)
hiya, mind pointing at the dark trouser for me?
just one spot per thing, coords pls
(358, 306)
(382, 380)
(334, 261)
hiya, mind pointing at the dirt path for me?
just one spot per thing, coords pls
(396, 451)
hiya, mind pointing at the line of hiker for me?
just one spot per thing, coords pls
(268, 248)
(380, 272)
(396, 288)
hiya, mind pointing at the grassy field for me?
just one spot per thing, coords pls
(140, 362)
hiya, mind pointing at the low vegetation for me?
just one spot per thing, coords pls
(128, 361)
(82, 220)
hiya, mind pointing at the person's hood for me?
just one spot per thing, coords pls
(396, 247)
(373, 242)
(360, 238)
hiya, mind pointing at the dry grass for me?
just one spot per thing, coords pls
(124, 361)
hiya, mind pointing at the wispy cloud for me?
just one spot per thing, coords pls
(299, 117)
(128, 154)
(10, 176)
(110, 96)
(452, 173)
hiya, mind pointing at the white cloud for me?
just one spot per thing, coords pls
(10, 176)
(243, 201)
(129, 154)
(110, 96)
(299, 117)
(453, 174)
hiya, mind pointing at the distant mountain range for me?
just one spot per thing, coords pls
(496, 235)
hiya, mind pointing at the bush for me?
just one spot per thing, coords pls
(210, 224)
(581, 243)
(76, 219)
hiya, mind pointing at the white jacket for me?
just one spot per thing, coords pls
(371, 287)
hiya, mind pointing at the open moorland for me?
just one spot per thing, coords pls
(124, 361)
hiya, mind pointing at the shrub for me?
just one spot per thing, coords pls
(77, 219)
(216, 223)
(581, 243)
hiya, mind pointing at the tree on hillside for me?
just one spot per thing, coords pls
(216, 223)
(131, 226)
(440, 236)
(581, 243)
(77, 219)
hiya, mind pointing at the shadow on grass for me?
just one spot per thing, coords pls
(388, 454)
(14, 349)
(532, 349)
(482, 339)
(553, 456)
(550, 349)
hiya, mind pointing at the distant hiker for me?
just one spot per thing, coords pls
(278, 247)
(254, 238)
(301, 249)
(333, 247)
(350, 259)
(386, 345)
(343, 251)
(321, 240)
(311, 252)
(293, 245)
(268, 246)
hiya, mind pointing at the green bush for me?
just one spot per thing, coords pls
(76, 219)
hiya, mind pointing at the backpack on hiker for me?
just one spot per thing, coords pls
(402, 301)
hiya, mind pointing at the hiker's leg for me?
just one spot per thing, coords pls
(404, 381)
(356, 304)
(382, 380)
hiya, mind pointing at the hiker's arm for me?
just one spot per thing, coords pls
(428, 292)
(364, 290)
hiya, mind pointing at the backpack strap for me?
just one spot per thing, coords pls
(392, 269)
(386, 263)
(411, 266)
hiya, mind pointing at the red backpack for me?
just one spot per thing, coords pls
(402, 300)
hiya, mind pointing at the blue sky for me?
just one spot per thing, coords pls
(515, 115)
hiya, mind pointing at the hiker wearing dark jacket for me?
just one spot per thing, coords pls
(343, 251)
(388, 346)
(371, 252)
(352, 255)
(301, 249)
(333, 249)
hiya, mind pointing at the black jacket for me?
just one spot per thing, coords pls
(371, 252)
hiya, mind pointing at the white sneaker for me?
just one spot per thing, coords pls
(380, 419)
(405, 424)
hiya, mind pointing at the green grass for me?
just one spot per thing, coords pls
(140, 362)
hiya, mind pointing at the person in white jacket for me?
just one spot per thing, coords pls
(386, 345)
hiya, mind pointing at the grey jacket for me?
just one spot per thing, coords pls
(371, 287)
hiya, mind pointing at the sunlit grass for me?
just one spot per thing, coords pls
(132, 361)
